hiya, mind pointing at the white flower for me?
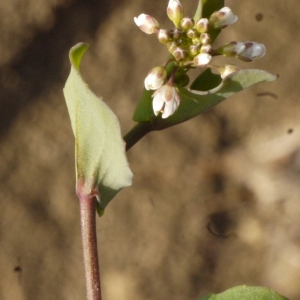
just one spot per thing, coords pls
(166, 100)
(175, 12)
(146, 23)
(155, 78)
(222, 18)
(202, 59)
(252, 51)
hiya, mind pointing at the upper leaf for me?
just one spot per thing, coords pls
(193, 104)
(101, 163)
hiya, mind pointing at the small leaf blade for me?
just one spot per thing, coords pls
(207, 80)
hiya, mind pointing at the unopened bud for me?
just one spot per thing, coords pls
(206, 49)
(155, 78)
(194, 50)
(231, 49)
(187, 23)
(175, 12)
(176, 33)
(196, 41)
(146, 23)
(252, 51)
(222, 18)
(171, 46)
(163, 36)
(205, 38)
(202, 25)
(192, 33)
(202, 59)
(180, 54)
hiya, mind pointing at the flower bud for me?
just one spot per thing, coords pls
(192, 33)
(252, 51)
(222, 18)
(175, 12)
(176, 33)
(205, 38)
(206, 49)
(227, 70)
(202, 59)
(187, 23)
(171, 46)
(155, 78)
(194, 50)
(202, 25)
(179, 54)
(231, 49)
(146, 23)
(163, 36)
(196, 41)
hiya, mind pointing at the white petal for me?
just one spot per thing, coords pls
(170, 108)
(147, 87)
(136, 21)
(158, 102)
(202, 59)
(258, 51)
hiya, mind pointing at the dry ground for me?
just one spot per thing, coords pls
(215, 201)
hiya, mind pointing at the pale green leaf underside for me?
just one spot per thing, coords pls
(246, 293)
(101, 163)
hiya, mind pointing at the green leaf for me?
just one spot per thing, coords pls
(246, 293)
(193, 104)
(207, 80)
(198, 13)
(210, 6)
(144, 112)
(101, 164)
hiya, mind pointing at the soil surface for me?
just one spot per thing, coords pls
(215, 201)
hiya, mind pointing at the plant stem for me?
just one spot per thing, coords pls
(136, 133)
(89, 244)
(87, 203)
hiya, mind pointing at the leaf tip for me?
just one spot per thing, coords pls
(76, 53)
(272, 77)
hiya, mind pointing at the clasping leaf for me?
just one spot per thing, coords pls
(101, 164)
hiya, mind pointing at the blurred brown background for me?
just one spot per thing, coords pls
(215, 201)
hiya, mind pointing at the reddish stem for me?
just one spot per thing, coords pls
(89, 243)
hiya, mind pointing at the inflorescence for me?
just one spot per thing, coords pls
(190, 45)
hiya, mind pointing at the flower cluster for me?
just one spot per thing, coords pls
(190, 44)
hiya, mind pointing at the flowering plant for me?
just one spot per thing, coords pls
(101, 164)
